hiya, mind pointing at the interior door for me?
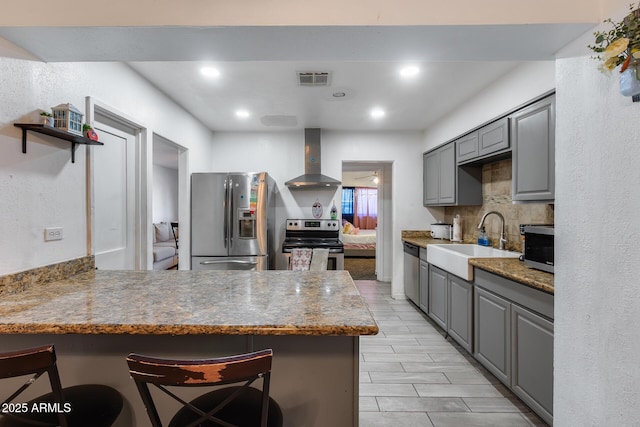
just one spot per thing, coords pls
(114, 178)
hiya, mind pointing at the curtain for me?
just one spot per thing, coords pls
(347, 203)
(365, 207)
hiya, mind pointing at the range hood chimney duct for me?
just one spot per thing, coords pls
(312, 177)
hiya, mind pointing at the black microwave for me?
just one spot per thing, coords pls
(538, 247)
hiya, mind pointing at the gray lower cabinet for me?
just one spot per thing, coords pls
(513, 332)
(460, 302)
(424, 284)
(533, 142)
(438, 296)
(532, 360)
(492, 320)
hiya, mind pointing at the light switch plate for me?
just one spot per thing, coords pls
(52, 233)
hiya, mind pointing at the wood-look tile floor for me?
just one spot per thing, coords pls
(410, 375)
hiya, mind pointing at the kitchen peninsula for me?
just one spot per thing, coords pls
(311, 320)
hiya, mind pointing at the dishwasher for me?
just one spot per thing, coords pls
(412, 272)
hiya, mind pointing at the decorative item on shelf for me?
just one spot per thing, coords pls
(316, 209)
(334, 211)
(88, 132)
(46, 118)
(67, 117)
(621, 46)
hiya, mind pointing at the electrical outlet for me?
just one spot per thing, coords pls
(52, 233)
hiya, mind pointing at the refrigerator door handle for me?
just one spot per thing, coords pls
(229, 261)
(226, 212)
(231, 216)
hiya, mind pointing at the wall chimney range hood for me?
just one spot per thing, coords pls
(312, 177)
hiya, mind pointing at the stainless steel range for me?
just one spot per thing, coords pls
(314, 233)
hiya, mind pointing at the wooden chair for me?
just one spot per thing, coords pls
(77, 406)
(241, 406)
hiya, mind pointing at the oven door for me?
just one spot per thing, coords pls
(335, 261)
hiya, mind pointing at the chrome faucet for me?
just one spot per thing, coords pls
(503, 240)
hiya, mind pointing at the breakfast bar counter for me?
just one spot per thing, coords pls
(311, 320)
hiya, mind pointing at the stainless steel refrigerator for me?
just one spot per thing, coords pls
(232, 221)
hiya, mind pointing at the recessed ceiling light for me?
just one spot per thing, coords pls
(210, 72)
(409, 71)
(339, 94)
(242, 114)
(377, 113)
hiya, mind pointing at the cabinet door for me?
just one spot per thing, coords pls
(467, 147)
(492, 333)
(461, 311)
(424, 286)
(431, 177)
(448, 169)
(438, 296)
(532, 359)
(533, 140)
(494, 137)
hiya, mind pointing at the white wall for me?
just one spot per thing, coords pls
(43, 188)
(165, 194)
(597, 298)
(281, 154)
(521, 84)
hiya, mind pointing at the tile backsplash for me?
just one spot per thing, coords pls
(496, 196)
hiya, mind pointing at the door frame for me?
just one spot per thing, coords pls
(95, 109)
(384, 248)
(184, 203)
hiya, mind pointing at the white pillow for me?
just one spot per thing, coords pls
(163, 232)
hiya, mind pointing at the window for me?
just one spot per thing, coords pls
(360, 206)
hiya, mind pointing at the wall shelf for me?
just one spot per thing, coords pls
(57, 133)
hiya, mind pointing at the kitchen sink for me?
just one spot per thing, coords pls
(454, 258)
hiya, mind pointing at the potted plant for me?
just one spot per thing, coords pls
(47, 118)
(88, 132)
(621, 46)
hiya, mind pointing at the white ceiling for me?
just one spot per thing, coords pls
(258, 67)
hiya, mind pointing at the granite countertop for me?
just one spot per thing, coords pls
(514, 269)
(510, 268)
(191, 302)
(421, 238)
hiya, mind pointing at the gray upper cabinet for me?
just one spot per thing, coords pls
(467, 147)
(533, 144)
(431, 177)
(493, 137)
(446, 183)
(447, 174)
(484, 143)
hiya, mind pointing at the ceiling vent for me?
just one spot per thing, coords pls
(313, 78)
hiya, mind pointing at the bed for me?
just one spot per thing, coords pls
(362, 244)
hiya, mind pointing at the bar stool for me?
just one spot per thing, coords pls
(77, 406)
(241, 406)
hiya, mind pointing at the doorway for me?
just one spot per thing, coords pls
(368, 252)
(116, 183)
(169, 186)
